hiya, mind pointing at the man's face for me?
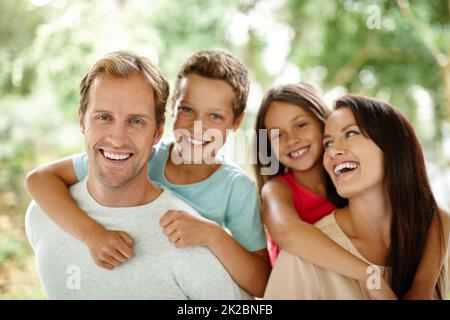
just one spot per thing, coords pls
(120, 128)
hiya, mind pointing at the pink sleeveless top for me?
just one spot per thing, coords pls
(310, 208)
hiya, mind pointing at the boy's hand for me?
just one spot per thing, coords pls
(109, 248)
(186, 230)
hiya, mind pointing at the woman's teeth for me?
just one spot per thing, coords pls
(114, 156)
(298, 153)
(344, 167)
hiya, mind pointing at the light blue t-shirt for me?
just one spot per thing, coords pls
(228, 196)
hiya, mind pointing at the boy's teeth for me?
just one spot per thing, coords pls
(195, 142)
(116, 156)
(298, 153)
(345, 165)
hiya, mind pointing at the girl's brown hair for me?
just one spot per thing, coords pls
(304, 96)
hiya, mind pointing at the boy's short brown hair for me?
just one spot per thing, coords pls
(218, 65)
(123, 64)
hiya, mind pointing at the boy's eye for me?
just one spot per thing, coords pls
(216, 116)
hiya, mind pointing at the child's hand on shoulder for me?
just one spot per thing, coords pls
(186, 230)
(109, 248)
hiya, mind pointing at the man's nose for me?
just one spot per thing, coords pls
(118, 135)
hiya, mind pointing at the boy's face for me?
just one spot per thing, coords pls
(203, 117)
(120, 128)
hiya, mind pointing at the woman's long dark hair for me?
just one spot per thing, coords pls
(406, 183)
(304, 96)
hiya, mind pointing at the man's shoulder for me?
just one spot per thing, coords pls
(168, 200)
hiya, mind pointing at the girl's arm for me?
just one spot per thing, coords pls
(48, 185)
(250, 270)
(309, 243)
(432, 260)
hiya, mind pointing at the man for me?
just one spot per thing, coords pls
(121, 114)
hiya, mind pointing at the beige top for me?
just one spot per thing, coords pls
(294, 278)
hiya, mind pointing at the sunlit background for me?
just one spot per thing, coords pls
(395, 50)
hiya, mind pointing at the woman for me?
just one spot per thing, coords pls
(374, 159)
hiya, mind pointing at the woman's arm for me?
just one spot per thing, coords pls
(48, 185)
(432, 260)
(307, 242)
(250, 270)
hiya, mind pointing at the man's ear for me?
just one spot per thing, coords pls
(159, 131)
(81, 116)
(237, 122)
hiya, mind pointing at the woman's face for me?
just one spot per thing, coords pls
(295, 135)
(353, 161)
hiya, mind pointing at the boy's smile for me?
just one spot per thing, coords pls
(203, 113)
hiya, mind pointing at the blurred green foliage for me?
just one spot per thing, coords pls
(381, 48)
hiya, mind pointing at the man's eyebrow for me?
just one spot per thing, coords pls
(342, 130)
(133, 115)
(139, 115)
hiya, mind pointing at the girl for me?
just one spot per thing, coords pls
(294, 116)
(210, 94)
(374, 159)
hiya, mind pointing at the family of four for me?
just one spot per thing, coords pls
(350, 195)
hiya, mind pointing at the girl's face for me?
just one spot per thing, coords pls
(297, 133)
(353, 161)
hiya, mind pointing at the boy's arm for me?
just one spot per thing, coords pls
(307, 242)
(432, 260)
(48, 185)
(250, 270)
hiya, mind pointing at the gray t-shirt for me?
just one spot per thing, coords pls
(158, 270)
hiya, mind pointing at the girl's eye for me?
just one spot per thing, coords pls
(351, 133)
(302, 125)
(327, 144)
(275, 136)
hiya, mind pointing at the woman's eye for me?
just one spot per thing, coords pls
(327, 144)
(351, 133)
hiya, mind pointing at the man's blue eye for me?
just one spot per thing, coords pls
(136, 121)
